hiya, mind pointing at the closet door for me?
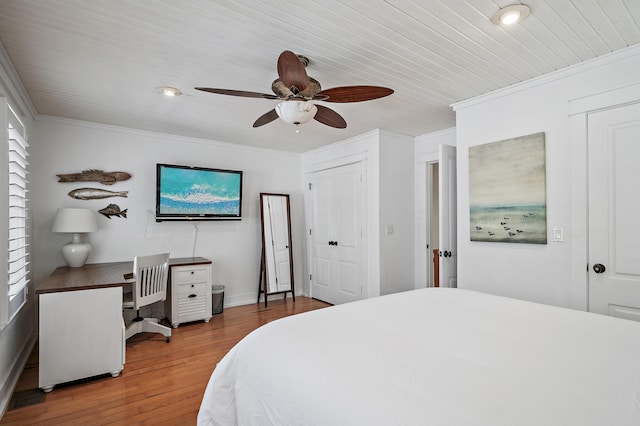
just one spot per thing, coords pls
(337, 206)
(614, 228)
(322, 233)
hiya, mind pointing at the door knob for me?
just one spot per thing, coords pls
(599, 268)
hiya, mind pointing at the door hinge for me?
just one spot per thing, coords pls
(310, 277)
(309, 231)
(309, 186)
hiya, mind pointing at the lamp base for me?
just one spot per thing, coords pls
(76, 252)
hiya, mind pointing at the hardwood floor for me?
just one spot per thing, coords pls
(162, 384)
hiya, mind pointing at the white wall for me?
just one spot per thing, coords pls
(64, 146)
(396, 212)
(553, 273)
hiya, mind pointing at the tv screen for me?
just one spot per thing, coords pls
(197, 193)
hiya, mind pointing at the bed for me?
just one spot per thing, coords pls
(432, 356)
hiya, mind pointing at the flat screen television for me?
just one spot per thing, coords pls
(197, 193)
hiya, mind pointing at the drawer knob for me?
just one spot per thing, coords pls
(192, 295)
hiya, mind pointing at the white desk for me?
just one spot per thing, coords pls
(81, 324)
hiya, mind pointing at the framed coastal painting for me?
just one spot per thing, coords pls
(507, 191)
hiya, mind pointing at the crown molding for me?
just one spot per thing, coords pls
(157, 135)
(11, 87)
(591, 64)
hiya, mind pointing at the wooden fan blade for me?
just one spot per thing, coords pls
(266, 118)
(329, 117)
(355, 93)
(291, 71)
(240, 93)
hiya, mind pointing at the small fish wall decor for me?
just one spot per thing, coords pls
(94, 175)
(95, 194)
(113, 210)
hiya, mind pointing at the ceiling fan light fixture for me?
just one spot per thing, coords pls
(509, 15)
(296, 112)
(170, 92)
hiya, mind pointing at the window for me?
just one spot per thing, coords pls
(17, 203)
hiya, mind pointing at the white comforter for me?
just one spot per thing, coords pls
(431, 357)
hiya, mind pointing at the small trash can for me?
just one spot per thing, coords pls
(217, 299)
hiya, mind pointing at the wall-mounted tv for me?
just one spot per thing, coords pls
(197, 193)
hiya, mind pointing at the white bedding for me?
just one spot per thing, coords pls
(431, 357)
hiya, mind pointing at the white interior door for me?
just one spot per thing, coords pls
(322, 187)
(337, 207)
(614, 202)
(348, 244)
(448, 217)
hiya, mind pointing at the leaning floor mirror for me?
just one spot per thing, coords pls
(276, 265)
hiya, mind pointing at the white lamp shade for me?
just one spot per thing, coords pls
(75, 221)
(296, 112)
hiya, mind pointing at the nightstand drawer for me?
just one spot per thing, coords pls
(197, 289)
(191, 306)
(186, 275)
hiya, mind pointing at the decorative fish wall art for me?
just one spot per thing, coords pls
(95, 194)
(113, 210)
(94, 175)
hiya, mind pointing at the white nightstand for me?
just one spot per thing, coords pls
(188, 291)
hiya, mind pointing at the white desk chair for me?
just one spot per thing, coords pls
(149, 285)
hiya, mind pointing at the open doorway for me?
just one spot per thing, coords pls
(433, 224)
(440, 226)
(435, 202)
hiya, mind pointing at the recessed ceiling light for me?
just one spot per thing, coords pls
(511, 14)
(169, 91)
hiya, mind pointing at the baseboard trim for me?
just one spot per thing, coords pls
(248, 299)
(7, 388)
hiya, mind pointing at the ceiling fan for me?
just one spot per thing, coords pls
(295, 89)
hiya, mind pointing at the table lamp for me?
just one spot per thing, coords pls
(76, 222)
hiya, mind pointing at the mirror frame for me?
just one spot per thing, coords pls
(263, 283)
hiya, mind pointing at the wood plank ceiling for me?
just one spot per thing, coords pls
(103, 60)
